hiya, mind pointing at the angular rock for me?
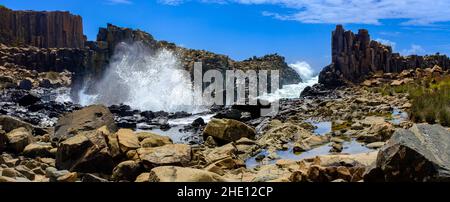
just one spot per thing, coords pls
(18, 139)
(127, 170)
(10, 123)
(418, 154)
(154, 140)
(127, 140)
(180, 174)
(86, 152)
(171, 154)
(41, 149)
(86, 119)
(228, 130)
(25, 84)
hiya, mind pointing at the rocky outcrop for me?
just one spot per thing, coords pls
(86, 119)
(228, 130)
(418, 154)
(356, 56)
(271, 62)
(41, 29)
(85, 152)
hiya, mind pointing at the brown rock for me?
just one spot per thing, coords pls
(180, 174)
(86, 119)
(228, 130)
(18, 139)
(171, 154)
(127, 140)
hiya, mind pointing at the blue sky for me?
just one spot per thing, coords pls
(300, 30)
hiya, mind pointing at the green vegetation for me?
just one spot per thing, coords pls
(2, 6)
(430, 98)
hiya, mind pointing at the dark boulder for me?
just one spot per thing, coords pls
(418, 154)
(25, 84)
(28, 99)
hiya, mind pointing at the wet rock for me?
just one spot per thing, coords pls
(28, 99)
(86, 119)
(25, 84)
(86, 152)
(418, 154)
(18, 139)
(127, 140)
(180, 174)
(228, 130)
(41, 149)
(198, 122)
(314, 91)
(171, 154)
(127, 170)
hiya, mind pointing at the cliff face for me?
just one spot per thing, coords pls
(54, 41)
(41, 29)
(355, 56)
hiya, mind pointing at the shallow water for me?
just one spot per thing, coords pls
(322, 127)
(351, 147)
(176, 132)
(398, 116)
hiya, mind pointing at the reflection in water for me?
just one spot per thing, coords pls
(176, 132)
(322, 127)
(398, 116)
(352, 147)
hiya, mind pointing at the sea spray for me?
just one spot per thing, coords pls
(308, 76)
(144, 80)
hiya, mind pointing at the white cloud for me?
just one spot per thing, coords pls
(387, 42)
(414, 12)
(303, 69)
(114, 2)
(413, 50)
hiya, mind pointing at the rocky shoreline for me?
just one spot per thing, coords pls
(340, 130)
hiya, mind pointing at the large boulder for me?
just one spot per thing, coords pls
(127, 140)
(86, 119)
(171, 154)
(180, 174)
(38, 149)
(418, 154)
(10, 123)
(127, 170)
(148, 139)
(85, 152)
(228, 130)
(18, 139)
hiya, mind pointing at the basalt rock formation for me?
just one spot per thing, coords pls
(54, 41)
(355, 56)
(41, 29)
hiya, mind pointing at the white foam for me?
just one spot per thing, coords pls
(144, 80)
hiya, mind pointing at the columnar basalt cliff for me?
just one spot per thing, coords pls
(355, 56)
(41, 29)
